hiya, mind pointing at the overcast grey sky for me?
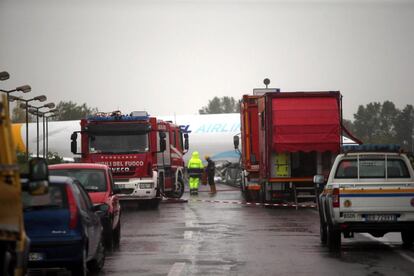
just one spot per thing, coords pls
(173, 56)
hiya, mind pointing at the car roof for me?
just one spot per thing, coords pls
(78, 166)
(60, 179)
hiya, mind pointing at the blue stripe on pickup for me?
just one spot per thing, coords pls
(378, 195)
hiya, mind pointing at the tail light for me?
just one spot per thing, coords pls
(335, 198)
(73, 209)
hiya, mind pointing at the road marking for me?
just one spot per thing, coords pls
(188, 235)
(290, 205)
(399, 252)
(177, 269)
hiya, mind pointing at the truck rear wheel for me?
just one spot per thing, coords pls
(333, 238)
(407, 239)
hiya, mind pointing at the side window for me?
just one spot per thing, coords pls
(82, 204)
(111, 180)
(180, 137)
(174, 142)
(85, 197)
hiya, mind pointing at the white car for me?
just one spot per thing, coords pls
(369, 189)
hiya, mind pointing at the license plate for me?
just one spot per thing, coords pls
(380, 218)
(34, 256)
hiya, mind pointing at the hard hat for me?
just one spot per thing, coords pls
(206, 157)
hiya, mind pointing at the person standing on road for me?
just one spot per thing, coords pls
(195, 168)
(211, 171)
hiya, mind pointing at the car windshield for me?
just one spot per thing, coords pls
(372, 168)
(91, 180)
(118, 143)
(54, 199)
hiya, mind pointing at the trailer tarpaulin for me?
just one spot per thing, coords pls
(306, 124)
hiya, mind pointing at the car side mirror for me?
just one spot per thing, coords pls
(186, 142)
(163, 143)
(319, 179)
(73, 143)
(236, 141)
(38, 177)
(101, 208)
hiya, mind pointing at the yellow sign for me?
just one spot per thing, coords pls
(282, 165)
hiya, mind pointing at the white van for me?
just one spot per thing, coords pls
(369, 189)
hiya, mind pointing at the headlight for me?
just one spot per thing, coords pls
(146, 185)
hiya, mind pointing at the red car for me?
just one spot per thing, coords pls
(98, 182)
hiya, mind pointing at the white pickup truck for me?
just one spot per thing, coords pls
(369, 191)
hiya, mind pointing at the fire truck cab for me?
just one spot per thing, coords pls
(144, 154)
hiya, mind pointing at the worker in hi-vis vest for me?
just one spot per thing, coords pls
(195, 169)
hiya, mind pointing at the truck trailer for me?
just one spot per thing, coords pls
(144, 154)
(287, 138)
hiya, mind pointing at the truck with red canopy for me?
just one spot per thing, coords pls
(287, 138)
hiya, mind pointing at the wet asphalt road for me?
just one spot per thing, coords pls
(203, 238)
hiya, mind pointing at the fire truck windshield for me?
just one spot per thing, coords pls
(135, 143)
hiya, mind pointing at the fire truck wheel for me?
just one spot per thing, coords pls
(154, 203)
(179, 188)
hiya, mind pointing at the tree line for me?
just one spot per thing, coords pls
(384, 123)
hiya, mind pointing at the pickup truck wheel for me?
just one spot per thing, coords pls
(333, 238)
(322, 231)
(407, 239)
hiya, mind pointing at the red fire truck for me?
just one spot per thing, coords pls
(287, 138)
(145, 154)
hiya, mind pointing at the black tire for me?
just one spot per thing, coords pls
(97, 263)
(333, 238)
(322, 232)
(322, 225)
(109, 241)
(80, 268)
(179, 190)
(154, 203)
(407, 238)
(117, 235)
(6, 267)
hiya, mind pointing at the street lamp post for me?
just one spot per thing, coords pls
(52, 113)
(35, 111)
(23, 89)
(40, 98)
(44, 128)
